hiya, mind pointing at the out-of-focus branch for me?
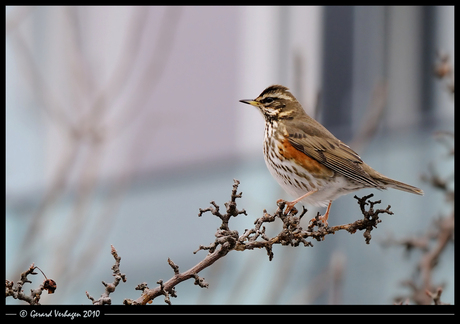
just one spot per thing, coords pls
(153, 70)
(444, 70)
(292, 234)
(436, 239)
(372, 117)
(89, 119)
(432, 244)
(436, 297)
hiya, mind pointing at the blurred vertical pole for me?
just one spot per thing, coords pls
(337, 70)
(428, 56)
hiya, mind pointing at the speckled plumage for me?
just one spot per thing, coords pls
(306, 159)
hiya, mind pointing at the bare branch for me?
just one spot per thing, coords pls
(17, 292)
(436, 297)
(110, 287)
(226, 240)
(293, 234)
(437, 237)
(444, 70)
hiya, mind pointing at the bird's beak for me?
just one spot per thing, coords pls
(250, 102)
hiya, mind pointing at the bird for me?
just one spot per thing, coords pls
(307, 160)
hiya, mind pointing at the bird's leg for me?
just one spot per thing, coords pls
(290, 204)
(326, 215)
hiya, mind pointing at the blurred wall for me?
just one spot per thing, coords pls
(121, 122)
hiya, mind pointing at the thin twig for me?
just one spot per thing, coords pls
(16, 291)
(227, 240)
(110, 287)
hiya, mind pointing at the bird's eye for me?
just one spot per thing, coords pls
(268, 100)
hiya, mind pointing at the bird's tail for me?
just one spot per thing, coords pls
(401, 186)
(388, 182)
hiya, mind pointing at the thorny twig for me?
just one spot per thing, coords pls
(110, 287)
(227, 240)
(292, 233)
(16, 291)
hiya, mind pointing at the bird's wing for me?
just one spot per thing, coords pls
(317, 142)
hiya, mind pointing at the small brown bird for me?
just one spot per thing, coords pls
(308, 161)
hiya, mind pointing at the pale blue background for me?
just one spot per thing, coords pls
(173, 139)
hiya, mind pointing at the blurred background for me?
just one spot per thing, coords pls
(121, 122)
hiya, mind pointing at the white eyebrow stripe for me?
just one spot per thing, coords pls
(277, 95)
